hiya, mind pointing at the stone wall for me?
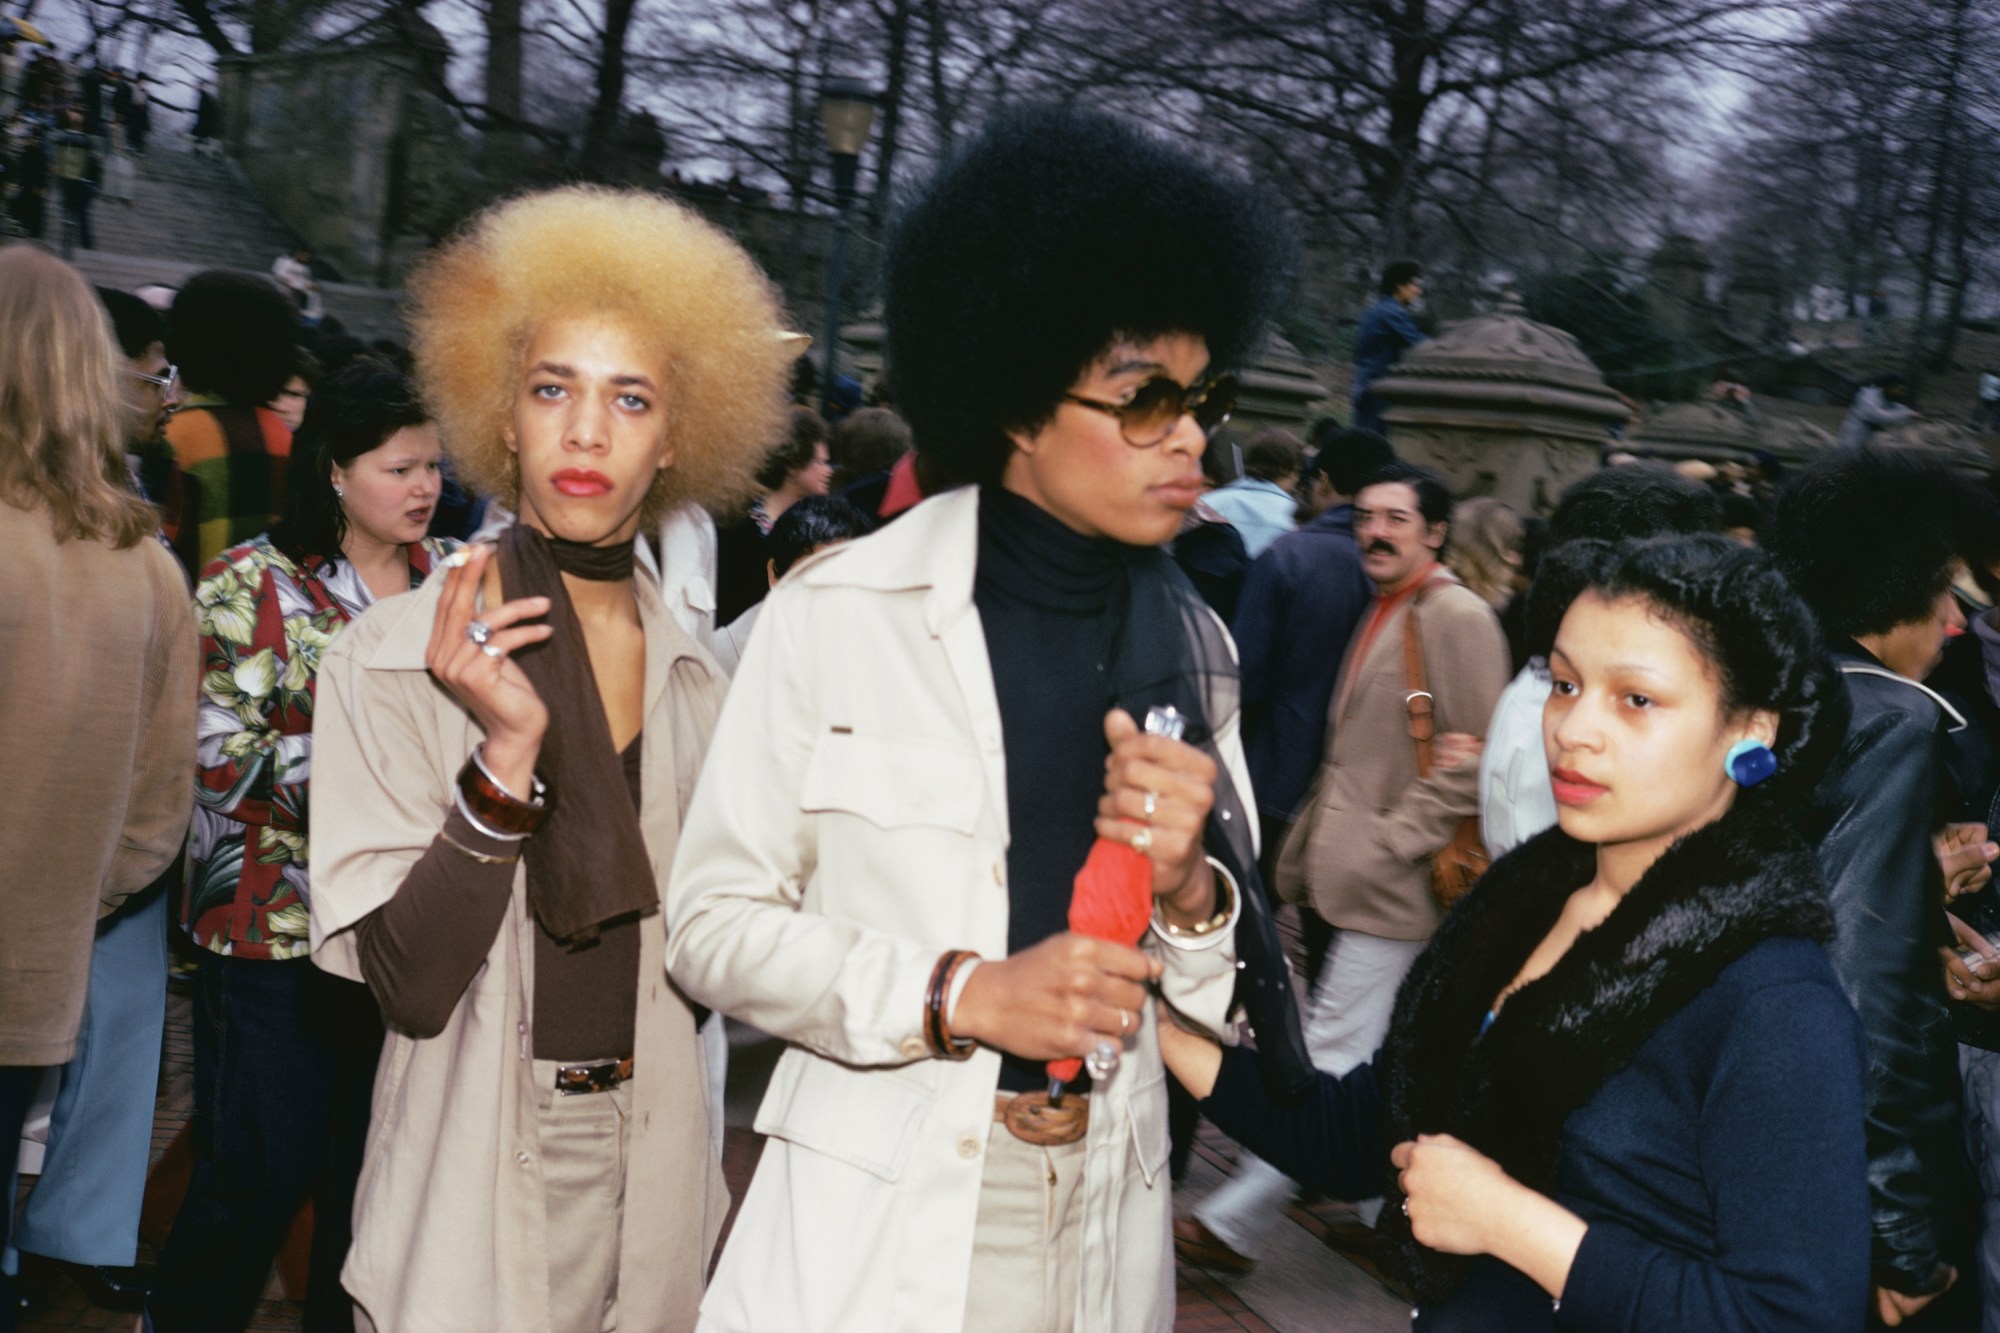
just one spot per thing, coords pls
(343, 145)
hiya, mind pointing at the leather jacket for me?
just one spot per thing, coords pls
(1880, 800)
(1974, 759)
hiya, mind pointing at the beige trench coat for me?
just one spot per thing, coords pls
(100, 667)
(449, 1222)
(851, 824)
(1378, 824)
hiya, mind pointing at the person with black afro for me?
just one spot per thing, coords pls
(231, 334)
(152, 387)
(936, 725)
(1872, 540)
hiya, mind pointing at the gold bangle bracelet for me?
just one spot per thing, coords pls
(480, 857)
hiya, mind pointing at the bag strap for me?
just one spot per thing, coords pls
(1417, 696)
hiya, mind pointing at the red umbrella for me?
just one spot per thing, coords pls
(1112, 898)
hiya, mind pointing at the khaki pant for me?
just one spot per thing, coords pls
(583, 1141)
(1028, 1241)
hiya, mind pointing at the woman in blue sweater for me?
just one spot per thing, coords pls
(1622, 1088)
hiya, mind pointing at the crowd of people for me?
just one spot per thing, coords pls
(68, 133)
(494, 715)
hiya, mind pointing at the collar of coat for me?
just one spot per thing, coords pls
(1710, 898)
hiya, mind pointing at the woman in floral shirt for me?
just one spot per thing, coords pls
(284, 1054)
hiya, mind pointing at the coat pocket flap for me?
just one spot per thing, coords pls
(892, 782)
(867, 1118)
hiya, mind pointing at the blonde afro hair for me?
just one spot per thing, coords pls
(679, 282)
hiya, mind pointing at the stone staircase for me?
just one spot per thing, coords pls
(190, 213)
(196, 210)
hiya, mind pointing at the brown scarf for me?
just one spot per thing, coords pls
(587, 865)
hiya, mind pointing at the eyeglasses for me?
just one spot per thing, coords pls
(1156, 407)
(162, 382)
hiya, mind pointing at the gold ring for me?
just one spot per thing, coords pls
(1142, 841)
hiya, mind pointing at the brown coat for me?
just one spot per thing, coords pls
(1368, 862)
(98, 671)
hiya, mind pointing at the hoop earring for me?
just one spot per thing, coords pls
(1749, 762)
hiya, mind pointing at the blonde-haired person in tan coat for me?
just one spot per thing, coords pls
(1368, 863)
(97, 672)
(502, 760)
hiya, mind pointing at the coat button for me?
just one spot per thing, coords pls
(521, 1157)
(914, 1048)
(968, 1147)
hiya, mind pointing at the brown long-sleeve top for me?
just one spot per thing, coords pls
(421, 949)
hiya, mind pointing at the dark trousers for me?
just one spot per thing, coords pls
(77, 197)
(17, 1088)
(284, 1064)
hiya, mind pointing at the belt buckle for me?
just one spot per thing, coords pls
(575, 1080)
(1029, 1118)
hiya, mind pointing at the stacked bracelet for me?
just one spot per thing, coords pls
(492, 809)
(480, 857)
(1208, 933)
(937, 1027)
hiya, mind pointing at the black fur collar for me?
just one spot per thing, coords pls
(1709, 899)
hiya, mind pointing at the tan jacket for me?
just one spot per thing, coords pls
(851, 825)
(1377, 826)
(99, 670)
(449, 1220)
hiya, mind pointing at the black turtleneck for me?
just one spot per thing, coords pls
(1050, 601)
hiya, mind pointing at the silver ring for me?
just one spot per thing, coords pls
(1406, 1208)
(1103, 1061)
(479, 632)
(1152, 804)
(1124, 1021)
(493, 650)
(1142, 841)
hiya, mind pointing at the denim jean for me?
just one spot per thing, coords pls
(85, 1205)
(284, 1064)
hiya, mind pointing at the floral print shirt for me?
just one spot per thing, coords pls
(264, 623)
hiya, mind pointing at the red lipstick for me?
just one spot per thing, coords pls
(1573, 788)
(582, 482)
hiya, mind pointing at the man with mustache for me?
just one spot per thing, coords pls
(1377, 824)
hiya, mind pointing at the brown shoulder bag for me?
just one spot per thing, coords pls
(1460, 862)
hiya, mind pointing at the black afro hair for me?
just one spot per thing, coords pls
(1040, 242)
(232, 334)
(1869, 537)
(1632, 501)
(136, 324)
(1745, 618)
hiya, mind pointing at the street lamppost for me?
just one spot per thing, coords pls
(847, 111)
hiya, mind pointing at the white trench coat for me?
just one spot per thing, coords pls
(851, 825)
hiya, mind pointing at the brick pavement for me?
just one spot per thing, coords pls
(1206, 1303)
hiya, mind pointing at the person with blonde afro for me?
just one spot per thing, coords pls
(503, 759)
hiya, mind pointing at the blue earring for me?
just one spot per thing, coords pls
(1749, 763)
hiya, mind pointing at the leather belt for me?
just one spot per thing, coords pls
(573, 1080)
(1029, 1117)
